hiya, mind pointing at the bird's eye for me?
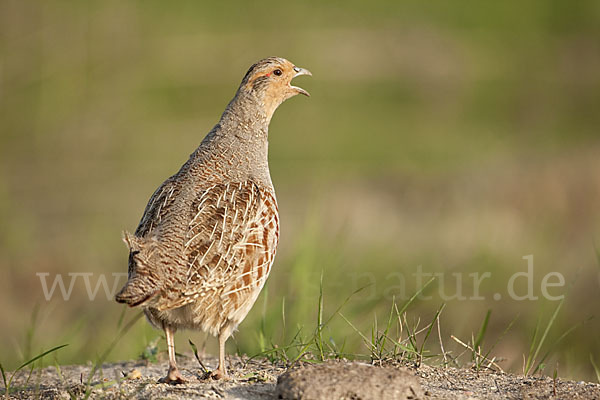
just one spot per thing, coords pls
(277, 72)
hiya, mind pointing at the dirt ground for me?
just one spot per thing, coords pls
(260, 379)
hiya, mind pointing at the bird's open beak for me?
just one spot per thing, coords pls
(301, 71)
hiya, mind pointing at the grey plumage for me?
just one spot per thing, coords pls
(208, 236)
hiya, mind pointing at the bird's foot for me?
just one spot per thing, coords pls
(219, 374)
(173, 377)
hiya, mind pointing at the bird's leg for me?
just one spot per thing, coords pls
(221, 371)
(173, 376)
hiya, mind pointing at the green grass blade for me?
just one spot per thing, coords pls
(341, 350)
(504, 332)
(411, 336)
(31, 331)
(482, 330)
(40, 356)
(529, 361)
(556, 342)
(437, 314)
(414, 296)
(402, 347)
(344, 303)
(195, 351)
(387, 328)
(365, 339)
(4, 377)
(112, 345)
(374, 338)
(319, 336)
(122, 316)
(283, 317)
(262, 332)
(596, 369)
(544, 335)
(550, 323)
(336, 312)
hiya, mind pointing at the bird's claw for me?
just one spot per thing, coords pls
(219, 374)
(173, 377)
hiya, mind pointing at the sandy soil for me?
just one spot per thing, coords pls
(260, 379)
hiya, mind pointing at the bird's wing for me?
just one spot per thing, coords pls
(158, 207)
(229, 246)
(144, 279)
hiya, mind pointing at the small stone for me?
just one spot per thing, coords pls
(134, 374)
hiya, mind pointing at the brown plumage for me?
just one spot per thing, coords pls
(206, 242)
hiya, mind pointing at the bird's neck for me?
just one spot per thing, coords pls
(240, 137)
(247, 118)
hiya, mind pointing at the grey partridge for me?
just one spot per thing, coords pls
(207, 239)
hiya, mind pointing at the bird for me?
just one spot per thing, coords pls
(207, 239)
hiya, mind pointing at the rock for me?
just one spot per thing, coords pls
(351, 380)
(134, 374)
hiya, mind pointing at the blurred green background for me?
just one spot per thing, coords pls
(455, 136)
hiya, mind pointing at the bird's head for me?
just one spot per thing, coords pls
(269, 81)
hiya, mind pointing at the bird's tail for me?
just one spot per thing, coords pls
(142, 285)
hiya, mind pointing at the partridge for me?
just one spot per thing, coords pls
(207, 239)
